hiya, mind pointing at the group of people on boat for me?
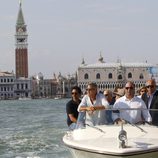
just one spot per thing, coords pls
(113, 107)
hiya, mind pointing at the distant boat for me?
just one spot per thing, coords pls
(24, 98)
(56, 98)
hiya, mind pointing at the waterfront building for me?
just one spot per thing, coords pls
(42, 88)
(112, 75)
(23, 88)
(64, 85)
(58, 86)
(12, 88)
(7, 80)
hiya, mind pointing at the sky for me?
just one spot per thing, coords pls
(63, 32)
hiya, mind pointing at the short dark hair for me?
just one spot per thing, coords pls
(130, 82)
(78, 89)
(93, 84)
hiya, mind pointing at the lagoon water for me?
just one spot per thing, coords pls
(33, 129)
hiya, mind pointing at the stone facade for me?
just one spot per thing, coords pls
(112, 75)
(57, 87)
(22, 88)
(7, 80)
(35, 87)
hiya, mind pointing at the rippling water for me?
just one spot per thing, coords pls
(33, 129)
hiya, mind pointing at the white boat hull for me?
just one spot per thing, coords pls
(91, 143)
(84, 154)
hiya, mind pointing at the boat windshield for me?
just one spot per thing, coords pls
(81, 123)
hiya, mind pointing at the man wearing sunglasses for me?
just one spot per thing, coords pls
(131, 108)
(151, 100)
(71, 107)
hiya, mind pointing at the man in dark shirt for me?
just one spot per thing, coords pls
(72, 105)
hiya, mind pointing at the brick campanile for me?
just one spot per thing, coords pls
(21, 50)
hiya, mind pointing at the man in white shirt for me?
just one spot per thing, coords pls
(94, 104)
(129, 101)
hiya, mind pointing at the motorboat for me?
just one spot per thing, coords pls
(24, 98)
(113, 141)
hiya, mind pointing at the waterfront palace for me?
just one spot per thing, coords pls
(112, 75)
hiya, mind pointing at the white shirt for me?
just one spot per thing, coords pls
(98, 116)
(133, 116)
(139, 96)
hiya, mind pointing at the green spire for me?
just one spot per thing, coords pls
(20, 20)
(20, 1)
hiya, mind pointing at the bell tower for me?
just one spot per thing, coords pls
(21, 46)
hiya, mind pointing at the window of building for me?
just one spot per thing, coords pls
(98, 76)
(110, 75)
(141, 76)
(86, 76)
(120, 77)
(26, 86)
(17, 86)
(129, 75)
(22, 86)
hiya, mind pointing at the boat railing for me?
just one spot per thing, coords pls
(97, 128)
(122, 109)
(136, 125)
(81, 123)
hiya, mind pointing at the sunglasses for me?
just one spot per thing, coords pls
(150, 86)
(74, 93)
(131, 88)
(106, 95)
(143, 91)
